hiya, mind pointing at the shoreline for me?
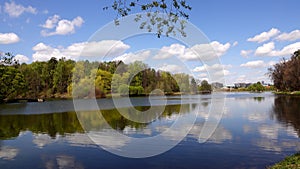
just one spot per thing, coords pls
(294, 93)
(292, 161)
(67, 97)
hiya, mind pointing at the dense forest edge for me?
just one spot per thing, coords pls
(63, 79)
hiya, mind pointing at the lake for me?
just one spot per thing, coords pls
(255, 130)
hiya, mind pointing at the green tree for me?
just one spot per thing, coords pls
(35, 79)
(47, 76)
(62, 76)
(135, 70)
(78, 71)
(205, 87)
(194, 87)
(256, 87)
(12, 82)
(136, 90)
(123, 89)
(116, 82)
(102, 82)
(183, 82)
(81, 89)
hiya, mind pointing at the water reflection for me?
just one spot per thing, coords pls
(254, 126)
(78, 140)
(247, 129)
(219, 136)
(286, 110)
(278, 146)
(52, 124)
(259, 99)
(257, 117)
(47, 127)
(41, 140)
(275, 136)
(62, 162)
(269, 131)
(8, 153)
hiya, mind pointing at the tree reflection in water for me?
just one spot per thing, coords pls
(67, 123)
(286, 110)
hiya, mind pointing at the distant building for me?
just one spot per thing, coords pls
(241, 85)
(217, 85)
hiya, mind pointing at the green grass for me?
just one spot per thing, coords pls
(294, 93)
(290, 162)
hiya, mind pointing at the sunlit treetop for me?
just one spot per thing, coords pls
(172, 22)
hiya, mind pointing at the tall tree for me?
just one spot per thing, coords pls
(12, 82)
(62, 76)
(205, 87)
(47, 76)
(286, 74)
(194, 87)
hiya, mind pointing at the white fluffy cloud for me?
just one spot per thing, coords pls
(62, 26)
(132, 57)
(235, 43)
(246, 53)
(44, 52)
(206, 52)
(268, 49)
(265, 49)
(171, 68)
(292, 36)
(264, 36)
(99, 49)
(15, 10)
(9, 38)
(254, 64)
(169, 51)
(257, 64)
(202, 52)
(107, 48)
(219, 48)
(51, 22)
(214, 67)
(215, 71)
(21, 58)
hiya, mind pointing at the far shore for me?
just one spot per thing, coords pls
(66, 96)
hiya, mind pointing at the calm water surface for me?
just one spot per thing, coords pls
(256, 131)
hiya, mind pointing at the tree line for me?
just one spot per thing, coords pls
(60, 78)
(286, 74)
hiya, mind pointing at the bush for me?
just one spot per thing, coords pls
(136, 90)
(123, 89)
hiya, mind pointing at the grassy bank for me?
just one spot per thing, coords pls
(289, 162)
(294, 93)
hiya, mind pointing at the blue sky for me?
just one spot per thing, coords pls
(249, 36)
